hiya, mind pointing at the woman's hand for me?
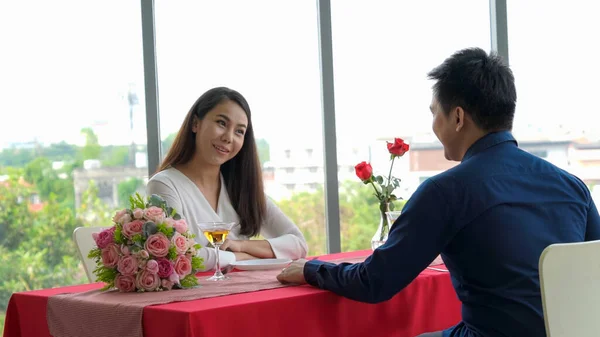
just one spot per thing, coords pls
(233, 245)
(260, 249)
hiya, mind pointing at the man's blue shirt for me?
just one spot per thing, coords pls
(490, 217)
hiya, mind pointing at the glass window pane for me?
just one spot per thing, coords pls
(268, 51)
(71, 130)
(554, 48)
(382, 52)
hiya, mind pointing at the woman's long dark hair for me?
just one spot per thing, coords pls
(242, 173)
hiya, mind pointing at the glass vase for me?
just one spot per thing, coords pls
(383, 229)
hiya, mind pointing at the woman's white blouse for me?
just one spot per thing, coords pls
(186, 198)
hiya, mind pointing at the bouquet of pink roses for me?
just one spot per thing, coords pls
(149, 248)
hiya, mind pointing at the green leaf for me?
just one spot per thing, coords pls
(189, 281)
(165, 230)
(172, 255)
(197, 263)
(95, 254)
(138, 238)
(119, 235)
(157, 201)
(379, 180)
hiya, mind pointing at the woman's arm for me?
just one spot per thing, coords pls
(249, 249)
(283, 238)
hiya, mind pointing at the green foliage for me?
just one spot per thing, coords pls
(92, 149)
(136, 201)
(168, 231)
(127, 188)
(115, 156)
(172, 255)
(119, 237)
(15, 216)
(189, 281)
(167, 142)
(106, 275)
(197, 262)
(359, 216)
(264, 153)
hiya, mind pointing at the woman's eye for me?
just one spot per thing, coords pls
(221, 122)
(241, 132)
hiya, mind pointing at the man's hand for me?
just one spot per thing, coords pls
(294, 273)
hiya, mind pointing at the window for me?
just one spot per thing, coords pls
(271, 59)
(381, 87)
(556, 83)
(73, 115)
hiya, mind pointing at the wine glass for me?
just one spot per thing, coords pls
(216, 233)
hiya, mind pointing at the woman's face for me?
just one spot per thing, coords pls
(220, 135)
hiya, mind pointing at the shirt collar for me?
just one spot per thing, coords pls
(489, 140)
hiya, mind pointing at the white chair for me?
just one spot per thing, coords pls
(85, 242)
(570, 285)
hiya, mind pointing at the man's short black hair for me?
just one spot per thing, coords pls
(483, 85)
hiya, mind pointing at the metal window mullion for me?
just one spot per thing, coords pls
(499, 28)
(150, 86)
(332, 205)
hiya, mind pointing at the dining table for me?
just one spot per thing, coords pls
(428, 303)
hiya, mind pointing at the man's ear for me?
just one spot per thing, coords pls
(458, 114)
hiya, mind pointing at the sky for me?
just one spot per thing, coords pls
(65, 65)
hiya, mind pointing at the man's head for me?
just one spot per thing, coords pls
(474, 94)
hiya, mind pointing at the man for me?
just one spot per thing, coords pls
(490, 217)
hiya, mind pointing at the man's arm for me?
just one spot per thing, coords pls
(416, 238)
(592, 231)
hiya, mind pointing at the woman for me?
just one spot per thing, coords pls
(212, 173)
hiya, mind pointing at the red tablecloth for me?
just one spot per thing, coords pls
(429, 303)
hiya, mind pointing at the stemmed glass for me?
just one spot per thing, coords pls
(216, 233)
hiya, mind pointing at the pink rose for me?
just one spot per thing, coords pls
(125, 250)
(128, 265)
(152, 266)
(154, 214)
(169, 222)
(147, 281)
(122, 217)
(110, 255)
(138, 213)
(180, 226)
(118, 215)
(143, 254)
(180, 242)
(105, 237)
(132, 228)
(125, 283)
(165, 267)
(174, 278)
(183, 266)
(157, 245)
(167, 284)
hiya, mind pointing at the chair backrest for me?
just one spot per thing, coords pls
(570, 285)
(85, 242)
